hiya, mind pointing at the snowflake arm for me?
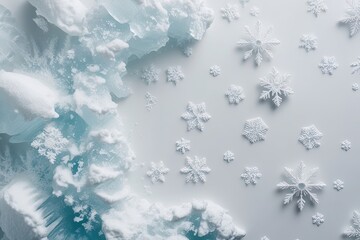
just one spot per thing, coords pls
(353, 231)
(352, 17)
(196, 116)
(157, 172)
(195, 170)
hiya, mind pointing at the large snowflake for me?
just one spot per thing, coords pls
(352, 17)
(157, 172)
(328, 65)
(255, 129)
(258, 43)
(353, 231)
(310, 136)
(355, 66)
(275, 85)
(301, 185)
(316, 6)
(196, 116)
(195, 169)
(235, 94)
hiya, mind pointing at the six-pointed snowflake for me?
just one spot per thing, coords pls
(275, 85)
(258, 43)
(352, 17)
(356, 65)
(196, 116)
(353, 231)
(318, 219)
(316, 6)
(235, 94)
(308, 42)
(195, 169)
(251, 175)
(174, 74)
(215, 71)
(301, 185)
(338, 184)
(346, 145)
(150, 101)
(229, 156)
(255, 129)
(183, 145)
(328, 65)
(150, 74)
(157, 172)
(230, 12)
(310, 136)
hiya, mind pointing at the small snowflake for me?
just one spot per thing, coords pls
(254, 11)
(338, 185)
(215, 71)
(230, 12)
(235, 94)
(328, 65)
(355, 87)
(251, 175)
(346, 145)
(196, 116)
(275, 85)
(157, 172)
(243, 2)
(255, 129)
(310, 136)
(150, 74)
(352, 17)
(265, 238)
(229, 156)
(258, 43)
(356, 66)
(301, 185)
(318, 219)
(187, 51)
(353, 231)
(150, 101)
(174, 74)
(316, 6)
(183, 145)
(308, 42)
(195, 169)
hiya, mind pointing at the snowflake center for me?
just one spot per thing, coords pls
(301, 186)
(258, 42)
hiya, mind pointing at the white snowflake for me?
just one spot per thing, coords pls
(356, 65)
(50, 143)
(229, 156)
(338, 185)
(251, 175)
(244, 2)
(308, 42)
(352, 17)
(255, 129)
(215, 71)
(235, 94)
(355, 87)
(230, 12)
(353, 231)
(150, 101)
(196, 116)
(157, 172)
(276, 85)
(195, 169)
(174, 74)
(328, 65)
(183, 145)
(316, 6)
(150, 74)
(254, 11)
(187, 51)
(318, 219)
(346, 145)
(310, 136)
(265, 238)
(258, 43)
(301, 185)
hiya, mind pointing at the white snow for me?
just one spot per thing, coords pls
(100, 174)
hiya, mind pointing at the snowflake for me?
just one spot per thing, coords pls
(318, 219)
(310, 136)
(251, 175)
(356, 65)
(157, 172)
(353, 17)
(265, 238)
(230, 12)
(229, 156)
(235, 94)
(183, 145)
(346, 145)
(243, 2)
(328, 65)
(174, 74)
(355, 87)
(308, 42)
(50, 143)
(196, 116)
(258, 43)
(316, 6)
(187, 51)
(254, 11)
(195, 169)
(353, 231)
(338, 185)
(275, 85)
(255, 129)
(301, 185)
(150, 101)
(215, 71)
(150, 74)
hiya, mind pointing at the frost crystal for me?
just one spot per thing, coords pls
(150, 101)
(318, 219)
(310, 136)
(355, 87)
(195, 169)
(255, 129)
(353, 231)
(196, 116)
(275, 85)
(316, 6)
(328, 65)
(254, 11)
(150, 74)
(346, 145)
(251, 175)
(157, 172)
(230, 12)
(235, 94)
(258, 43)
(174, 74)
(352, 17)
(338, 185)
(215, 71)
(301, 185)
(229, 156)
(308, 42)
(183, 145)
(356, 65)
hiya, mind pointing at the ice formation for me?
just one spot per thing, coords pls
(61, 78)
